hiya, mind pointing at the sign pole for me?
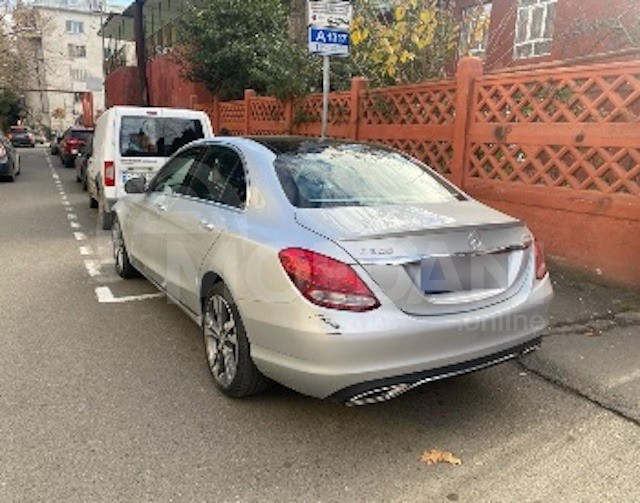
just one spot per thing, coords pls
(325, 96)
(329, 22)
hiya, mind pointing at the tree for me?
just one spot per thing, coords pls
(238, 44)
(405, 41)
(20, 34)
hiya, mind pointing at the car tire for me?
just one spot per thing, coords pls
(123, 265)
(92, 202)
(227, 348)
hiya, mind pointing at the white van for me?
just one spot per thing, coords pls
(134, 141)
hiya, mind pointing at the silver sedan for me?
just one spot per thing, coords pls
(342, 270)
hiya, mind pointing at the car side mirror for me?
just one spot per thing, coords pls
(135, 185)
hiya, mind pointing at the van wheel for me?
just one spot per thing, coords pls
(227, 347)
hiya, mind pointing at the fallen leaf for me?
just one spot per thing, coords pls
(434, 456)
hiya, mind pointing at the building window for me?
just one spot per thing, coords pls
(474, 31)
(534, 28)
(77, 51)
(79, 75)
(75, 27)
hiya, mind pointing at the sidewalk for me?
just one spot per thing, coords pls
(593, 343)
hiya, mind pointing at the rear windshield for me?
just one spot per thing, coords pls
(157, 137)
(358, 175)
(81, 135)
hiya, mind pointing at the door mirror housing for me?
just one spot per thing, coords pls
(135, 185)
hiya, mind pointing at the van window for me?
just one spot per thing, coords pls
(157, 137)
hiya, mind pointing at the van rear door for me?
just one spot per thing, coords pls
(146, 139)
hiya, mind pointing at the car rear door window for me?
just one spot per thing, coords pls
(220, 177)
(173, 177)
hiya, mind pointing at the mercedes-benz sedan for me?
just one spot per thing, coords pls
(342, 270)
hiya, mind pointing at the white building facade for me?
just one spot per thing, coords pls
(68, 60)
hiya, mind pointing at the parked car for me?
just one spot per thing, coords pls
(9, 160)
(71, 142)
(21, 136)
(134, 141)
(341, 270)
(55, 143)
(40, 138)
(82, 159)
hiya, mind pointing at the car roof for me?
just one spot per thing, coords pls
(282, 144)
(292, 144)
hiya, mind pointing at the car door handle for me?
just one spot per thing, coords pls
(205, 224)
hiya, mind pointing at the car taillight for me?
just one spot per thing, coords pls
(109, 174)
(327, 282)
(541, 265)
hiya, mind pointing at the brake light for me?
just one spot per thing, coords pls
(327, 282)
(109, 174)
(541, 265)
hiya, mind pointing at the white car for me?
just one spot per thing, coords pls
(339, 269)
(136, 141)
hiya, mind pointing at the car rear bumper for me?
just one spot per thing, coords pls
(381, 390)
(344, 356)
(6, 168)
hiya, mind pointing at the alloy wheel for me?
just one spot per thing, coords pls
(221, 340)
(118, 245)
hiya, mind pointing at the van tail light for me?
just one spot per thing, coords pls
(109, 174)
(541, 265)
(327, 282)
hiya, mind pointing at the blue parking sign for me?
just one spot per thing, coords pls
(328, 41)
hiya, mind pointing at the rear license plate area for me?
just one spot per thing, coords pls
(455, 273)
(135, 174)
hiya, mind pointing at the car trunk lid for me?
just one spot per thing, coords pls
(434, 258)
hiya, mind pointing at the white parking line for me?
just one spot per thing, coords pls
(86, 250)
(80, 236)
(75, 225)
(105, 296)
(72, 216)
(93, 268)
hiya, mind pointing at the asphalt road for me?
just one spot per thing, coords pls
(114, 401)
